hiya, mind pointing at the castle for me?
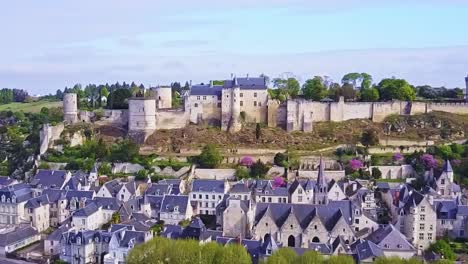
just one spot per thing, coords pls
(240, 100)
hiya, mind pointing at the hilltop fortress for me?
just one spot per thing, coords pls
(242, 100)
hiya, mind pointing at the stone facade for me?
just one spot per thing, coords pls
(245, 100)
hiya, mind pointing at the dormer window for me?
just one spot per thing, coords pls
(3, 198)
(176, 209)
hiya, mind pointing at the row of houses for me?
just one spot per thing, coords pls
(101, 223)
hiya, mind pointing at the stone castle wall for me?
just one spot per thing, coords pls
(293, 115)
(48, 135)
(171, 119)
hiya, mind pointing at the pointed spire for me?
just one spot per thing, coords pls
(321, 181)
(447, 166)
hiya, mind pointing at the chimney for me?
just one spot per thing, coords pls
(247, 76)
(190, 83)
(211, 83)
(232, 75)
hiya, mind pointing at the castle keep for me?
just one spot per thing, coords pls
(240, 100)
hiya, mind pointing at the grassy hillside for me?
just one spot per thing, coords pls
(33, 107)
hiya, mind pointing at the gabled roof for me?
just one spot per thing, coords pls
(329, 214)
(159, 189)
(388, 237)
(175, 203)
(108, 203)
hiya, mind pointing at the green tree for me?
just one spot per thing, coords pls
(370, 137)
(314, 89)
(258, 169)
(396, 89)
(389, 260)
(341, 259)
(348, 92)
(242, 173)
(282, 256)
(369, 94)
(366, 81)
(293, 87)
(233, 254)
(351, 78)
(119, 99)
(209, 252)
(376, 173)
(443, 248)
(310, 257)
(210, 156)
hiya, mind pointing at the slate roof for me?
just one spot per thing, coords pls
(322, 248)
(135, 237)
(159, 189)
(57, 233)
(49, 178)
(5, 180)
(239, 187)
(246, 83)
(366, 249)
(21, 192)
(216, 186)
(172, 231)
(69, 194)
(329, 214)
(265, 188)
(206, 89)
(446, 209)
(154, 201)
(16, 235)
(37, 202)
(86, 236)
(388, 237)
(86, 211)
(108, 203)
(112, 186)
(53, 194)
(170, 202)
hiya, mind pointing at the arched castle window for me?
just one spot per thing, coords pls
(316, 240)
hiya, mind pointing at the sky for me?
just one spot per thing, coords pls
(47, 45)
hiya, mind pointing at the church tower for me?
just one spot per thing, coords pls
(321, 188)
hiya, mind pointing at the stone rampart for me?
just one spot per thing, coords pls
(48, 135)
(171, 119)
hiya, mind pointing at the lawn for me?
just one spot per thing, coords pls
(33, 107)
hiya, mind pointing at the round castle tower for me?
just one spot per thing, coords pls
(141, 114)
(163, 97)
(70, 108)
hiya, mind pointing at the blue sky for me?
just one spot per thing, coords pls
(47, 45)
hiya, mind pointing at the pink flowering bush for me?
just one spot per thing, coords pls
(397, 156)
(429, 161)
(247, 161)
(355, 164)
(279, 181)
